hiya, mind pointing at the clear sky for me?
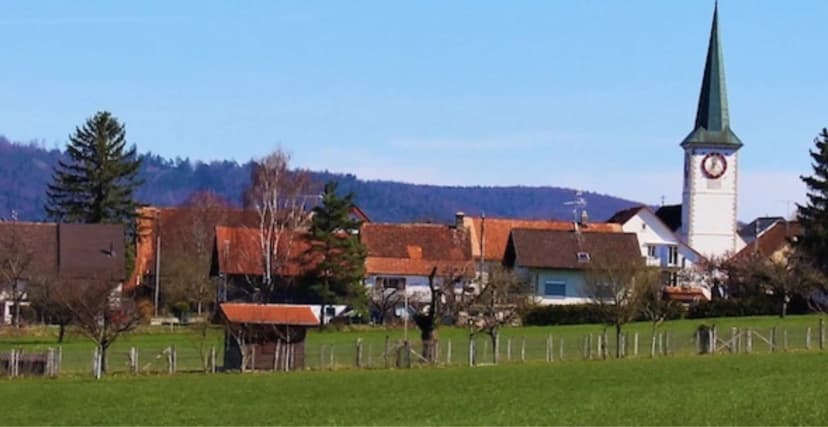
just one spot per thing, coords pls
(577, 93)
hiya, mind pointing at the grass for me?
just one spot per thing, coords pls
(77, 350)
(758, 389)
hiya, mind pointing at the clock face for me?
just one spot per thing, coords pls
(714, 165)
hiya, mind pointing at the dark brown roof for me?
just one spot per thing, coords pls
(269, 314)
(774, 239)
(559, 249)
(670, 215)
(623, 216)
(73, 251)
(414, 249)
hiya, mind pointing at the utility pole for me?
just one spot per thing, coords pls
(157, 271)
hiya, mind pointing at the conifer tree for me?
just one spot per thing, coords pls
(97, 182)
(813, 216)
(337, 277)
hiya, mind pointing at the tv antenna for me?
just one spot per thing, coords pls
(579, 203)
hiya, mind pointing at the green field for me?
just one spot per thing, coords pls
(758, 389)
(150, 342)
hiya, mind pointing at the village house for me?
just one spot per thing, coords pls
(40, 252)
(556, 262)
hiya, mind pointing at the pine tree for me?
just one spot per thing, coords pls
(97, 182)
(337, 277)
(813, 216)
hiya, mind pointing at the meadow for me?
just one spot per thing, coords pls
(758, 389)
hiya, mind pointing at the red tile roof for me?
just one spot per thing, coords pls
(269, 314)
(496, 232)
(238, 252)
(774, 239)
(677, 293)
(414, 249)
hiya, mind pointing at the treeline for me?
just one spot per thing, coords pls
(25, 170)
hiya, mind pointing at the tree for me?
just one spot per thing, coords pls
(384, 301)
(189, 250)
(278, 195)
(97, 181)
(16, 258)
(654, 306)
(813, 216)
(616, 288)
(99, 311)
(43, 292)
(337, 252)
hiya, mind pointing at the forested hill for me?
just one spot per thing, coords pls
(25, 170)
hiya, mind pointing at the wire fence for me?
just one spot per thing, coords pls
(378, 352)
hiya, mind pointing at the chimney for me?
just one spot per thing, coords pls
(584, 221)
(458, 220)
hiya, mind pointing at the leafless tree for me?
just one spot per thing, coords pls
(383, 301)
(43, 291)
(499, 302)
(16, 258)
(653, 305)
(189, 248)
(279, 196)
(99, 311)
(616, 288)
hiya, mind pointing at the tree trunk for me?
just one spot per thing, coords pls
(61, 332)
(102, 356)
(429, 343)
(617, 341)
(784, 307)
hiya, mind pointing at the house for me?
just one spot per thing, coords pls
(56, 252)
(489, 236)
(402, 256)
(265, 337)
(751, 231)
(556, 262)
(774, 242)
(660, 246)
(238, 263)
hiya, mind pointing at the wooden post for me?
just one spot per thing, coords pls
(698, 342)
(11, 363)
(387, 349)
(407, 348)
(448, 352)
(471, 351)
(600, 347)
(508, 349)
(358, 351)
(170, 362)
(808, 338)
(733, 337)
(496, 349)
(437, 351)
(213, 359)
(605, 347)
(485, 347)
(589, 347)
(333, 358)
(822, 334)
(785, 339)
(635, 344)
(561, 350)
(623, 342)
(772, 340)
(666, 343)
(370, 355)
(59, 359)
(523, 349)
(715, 342)
(661, 343)
(749, 341)
(96, 363)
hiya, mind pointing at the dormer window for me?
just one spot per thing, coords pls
(583, 257)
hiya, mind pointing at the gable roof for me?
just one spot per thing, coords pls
(559, 249)
(269, 314)
(495, 232)
(774, 239)
(758, 226)
(414, 249)
(622, 216)
(670, 215)
(237, 251)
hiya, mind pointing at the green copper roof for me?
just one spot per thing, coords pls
(712, 125)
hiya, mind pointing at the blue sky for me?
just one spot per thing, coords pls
(578, 93)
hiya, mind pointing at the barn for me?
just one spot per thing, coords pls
(265, 337)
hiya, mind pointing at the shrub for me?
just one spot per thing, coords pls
(574, 314)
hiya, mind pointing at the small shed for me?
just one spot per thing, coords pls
(265, 337)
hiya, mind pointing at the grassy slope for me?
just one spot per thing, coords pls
(764, 389)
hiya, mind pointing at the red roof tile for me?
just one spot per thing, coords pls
(414, 249)
(269, 314)
(239, 252)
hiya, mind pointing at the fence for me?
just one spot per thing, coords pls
(384, 352)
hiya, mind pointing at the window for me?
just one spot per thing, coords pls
(672, 255)
(583, 257)
(554, 289)
(397, 283)
(652, 251)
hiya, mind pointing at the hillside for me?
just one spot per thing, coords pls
(25, 170)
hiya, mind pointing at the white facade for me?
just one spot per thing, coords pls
(709, 200)
(660, 247)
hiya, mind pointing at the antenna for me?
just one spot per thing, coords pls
(579, 203)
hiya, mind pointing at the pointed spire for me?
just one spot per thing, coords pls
(712, 118)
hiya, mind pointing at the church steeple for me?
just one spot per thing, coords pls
(712, 126)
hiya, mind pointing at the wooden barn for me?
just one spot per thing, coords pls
(265, 337)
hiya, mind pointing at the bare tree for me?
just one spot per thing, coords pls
(616, 288)
(99, 311)
(16, 258)
(189, 248)
(654, 306)
(383, 301)
(500, 301)
(43, 291)
(279, 195)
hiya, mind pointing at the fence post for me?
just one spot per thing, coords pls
(358, 350)
(635, 344)
(213, 359)
(11, 363)
(666, 343)
(661, 343)
(772, 345)
(561, 350)
(605, 347)
(822, 334)
(333, 358)
(808, 338)
(589, 347)
(508, 349)
(448, 352)
(715, 344)
(622, 345)
(407, 348)
(600, 347)
(471, 351)
(485, 347)
(785, 339)
(370, 355)
(496, 349)
(749, 341)
(170, 362)
(732, 346)
(387, 349)
(96, 363)
(523, 349)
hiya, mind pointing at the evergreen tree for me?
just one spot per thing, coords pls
(813, 216)
(337, 276)
(97, 181)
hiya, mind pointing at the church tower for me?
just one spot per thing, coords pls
(708, 212)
